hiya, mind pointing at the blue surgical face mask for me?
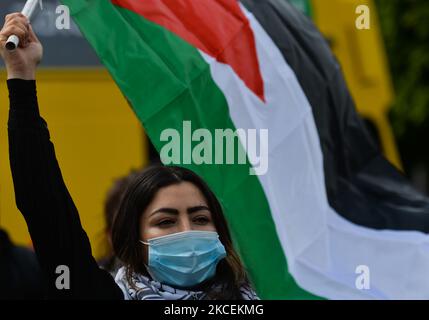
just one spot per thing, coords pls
(184, 259)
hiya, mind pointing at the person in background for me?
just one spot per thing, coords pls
(109, 261)
(20, 275)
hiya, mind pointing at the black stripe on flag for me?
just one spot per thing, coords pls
(362, 186)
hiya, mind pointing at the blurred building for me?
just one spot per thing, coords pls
(363, 59)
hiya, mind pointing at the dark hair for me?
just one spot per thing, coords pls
(114, 197)
(125, 231)
(113, 200)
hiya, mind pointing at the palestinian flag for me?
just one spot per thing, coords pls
(329, 202)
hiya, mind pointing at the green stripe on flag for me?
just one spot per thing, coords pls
(304, 6)
(167, 82)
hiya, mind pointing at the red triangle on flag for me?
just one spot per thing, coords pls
(217, 27)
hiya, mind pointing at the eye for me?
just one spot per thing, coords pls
(201, 220)
(165, 223)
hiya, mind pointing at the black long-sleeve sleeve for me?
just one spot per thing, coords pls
(43, 199)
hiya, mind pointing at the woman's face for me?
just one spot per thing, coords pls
(176, 208)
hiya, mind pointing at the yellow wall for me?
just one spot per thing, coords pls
(364, 62)
(97, 139)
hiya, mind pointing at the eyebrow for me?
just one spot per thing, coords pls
(176, 212)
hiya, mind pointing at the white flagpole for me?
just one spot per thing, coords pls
(28, 11)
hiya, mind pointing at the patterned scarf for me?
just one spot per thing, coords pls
(147, 289)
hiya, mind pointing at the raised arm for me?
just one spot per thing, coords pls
(40, 192)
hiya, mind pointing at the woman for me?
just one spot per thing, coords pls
(169, 232)
(175, 221)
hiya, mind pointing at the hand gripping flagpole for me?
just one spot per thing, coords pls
(28, 11)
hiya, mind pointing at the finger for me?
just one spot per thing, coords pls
(18, 30)
(14, 21)
(3, 38)
(21, 21)
(18, 20)
(14, 15)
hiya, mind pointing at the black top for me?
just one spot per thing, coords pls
(43, 199)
